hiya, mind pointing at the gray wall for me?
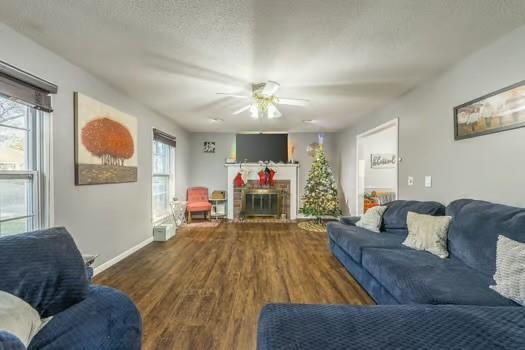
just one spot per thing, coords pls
(103, 219)
(207, 169)
(488, 167)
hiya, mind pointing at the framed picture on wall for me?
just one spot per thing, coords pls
(382, 160)
(105, 143)
(209, 147)
(498, 111)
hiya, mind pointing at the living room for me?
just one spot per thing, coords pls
(262, 174)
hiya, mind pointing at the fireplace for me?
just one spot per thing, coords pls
(254, 200)
(261, 202)
(285, 181)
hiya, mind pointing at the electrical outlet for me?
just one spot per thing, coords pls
(410, 181)
(428, 181)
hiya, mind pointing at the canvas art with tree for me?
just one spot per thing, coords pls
(105, 146)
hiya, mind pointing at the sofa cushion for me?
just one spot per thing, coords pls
(407, 327)
(353, 239)
(475, 228)
(395, 216)
(44, 268)
(349, 220)
(416, 277)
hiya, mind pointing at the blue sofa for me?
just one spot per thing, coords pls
(425, 302)
(45, 269)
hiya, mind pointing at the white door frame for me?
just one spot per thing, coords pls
(391, 123)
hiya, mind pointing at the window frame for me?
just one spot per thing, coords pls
(38, 167)
(171, 181)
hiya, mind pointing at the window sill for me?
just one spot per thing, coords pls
(160, 220)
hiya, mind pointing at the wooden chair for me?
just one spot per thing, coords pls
(198, 202)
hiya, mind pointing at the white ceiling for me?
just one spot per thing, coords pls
(347, 57)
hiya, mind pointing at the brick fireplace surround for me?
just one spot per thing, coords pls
(281, 185)
(285, 175)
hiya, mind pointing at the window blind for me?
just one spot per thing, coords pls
(25, 87)
(163, 137)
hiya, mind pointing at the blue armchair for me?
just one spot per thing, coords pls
(45, 269)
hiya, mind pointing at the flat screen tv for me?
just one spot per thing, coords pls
(266, 147)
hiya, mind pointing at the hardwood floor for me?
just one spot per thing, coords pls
(204, 288)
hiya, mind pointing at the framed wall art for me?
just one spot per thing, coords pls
(105, 143)
(498, 111)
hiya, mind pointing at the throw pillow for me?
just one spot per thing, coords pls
(19, 318)
(427, 232)
(510, 269)
(372, 219)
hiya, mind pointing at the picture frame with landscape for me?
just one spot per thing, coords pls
(498, 111)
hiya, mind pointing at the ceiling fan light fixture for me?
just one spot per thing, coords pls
(254, 111)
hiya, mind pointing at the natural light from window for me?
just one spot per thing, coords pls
(163, 188)
(20, 167)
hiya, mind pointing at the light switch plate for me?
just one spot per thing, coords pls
(410, 181)
(428, 181)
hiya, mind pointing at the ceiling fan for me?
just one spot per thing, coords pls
(264, 101)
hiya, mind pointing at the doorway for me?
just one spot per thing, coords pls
(377, 166)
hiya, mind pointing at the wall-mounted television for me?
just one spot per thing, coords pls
(266, 147)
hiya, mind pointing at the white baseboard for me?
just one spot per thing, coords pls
(121, 256)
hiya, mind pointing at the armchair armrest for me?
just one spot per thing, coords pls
(44, 268)
(349, 220)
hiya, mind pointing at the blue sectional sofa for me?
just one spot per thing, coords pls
(45, 269)
(425, 302)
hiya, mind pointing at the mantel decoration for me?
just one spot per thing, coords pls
(105, 143)
(498, 111)
(320, 194)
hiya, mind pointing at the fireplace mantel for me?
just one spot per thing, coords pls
(282, 172)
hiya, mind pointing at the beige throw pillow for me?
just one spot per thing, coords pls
(510, 269)
(372, 219)
(429, 233)
(19, 318)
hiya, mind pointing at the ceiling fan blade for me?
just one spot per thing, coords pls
(270, 88)
(277, 114)
(245, 108)
(273, 112)
(293, 101)
(232, 95)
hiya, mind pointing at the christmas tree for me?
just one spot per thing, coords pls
(320, 193)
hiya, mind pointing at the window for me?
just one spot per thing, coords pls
(22, 167)
(163, 183)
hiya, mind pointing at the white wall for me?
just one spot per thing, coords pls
(487, 167)
(103, 219)
(207, 169)
(384, 141)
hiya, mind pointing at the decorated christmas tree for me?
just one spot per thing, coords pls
(320, 193)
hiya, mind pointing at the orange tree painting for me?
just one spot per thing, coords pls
(109, 140)
(105, 143)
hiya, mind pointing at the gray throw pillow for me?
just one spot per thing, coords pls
(510, 269)
(372, 219)
(427, 232)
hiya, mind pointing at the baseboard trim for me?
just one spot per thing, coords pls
(121, 256)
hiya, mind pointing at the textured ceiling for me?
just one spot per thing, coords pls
(347, 57)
